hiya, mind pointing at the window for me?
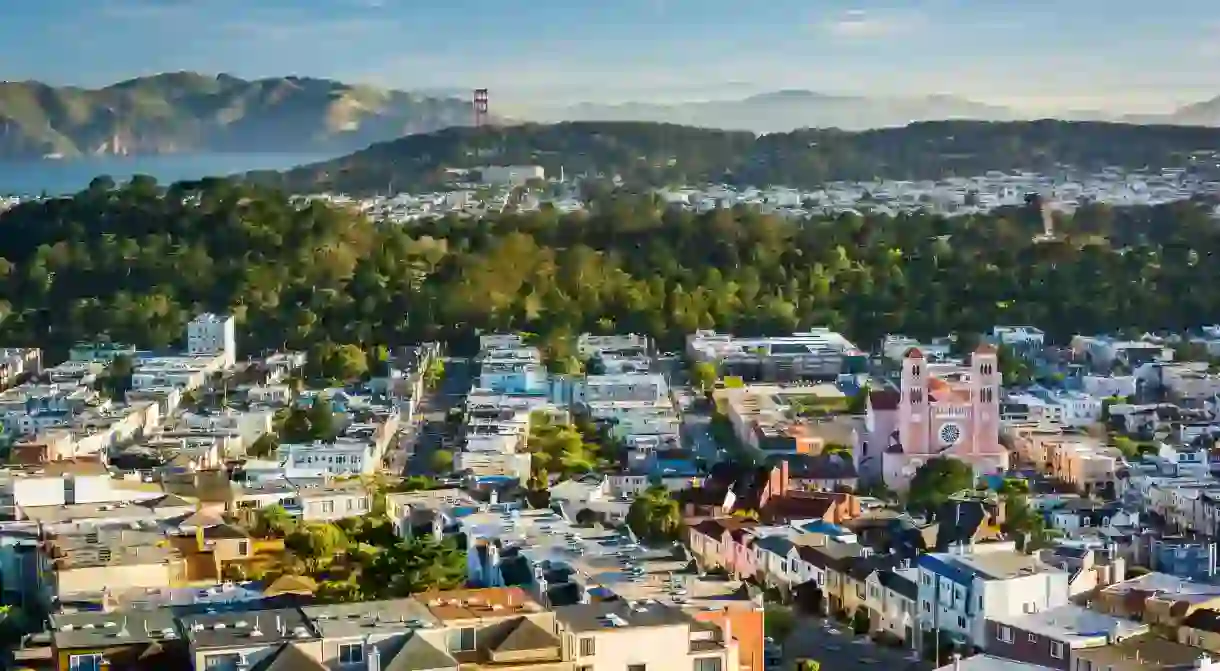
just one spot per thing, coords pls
(961, 622)
(351, 653)
(708, 664)
(328, 506)
(461, 640)
(927, 607)
(588, 646)
(1004, 634)
(586, 667)
(85, 662)
(1056, 650)
(243, 548)
(220, 662)
(1033, 638)
(637, 667)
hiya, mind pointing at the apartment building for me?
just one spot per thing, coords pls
(639, 636)
(1156, 599)
(1025, 339)
(497, 628)
(1084, 464)
(958, 592)
(17, 362)
(240, 640)
(1054, 638)
(370, 634)
(213, 334)
(818, 354)
(128, 640)
(84, 563)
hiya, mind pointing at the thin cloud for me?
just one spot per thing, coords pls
(858, 24)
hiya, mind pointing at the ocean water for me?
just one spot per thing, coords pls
(57, 177)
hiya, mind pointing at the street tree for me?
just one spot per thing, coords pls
(936, 480)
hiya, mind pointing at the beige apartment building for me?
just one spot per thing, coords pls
(642, 636)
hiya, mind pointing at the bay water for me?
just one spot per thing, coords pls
(63, 176)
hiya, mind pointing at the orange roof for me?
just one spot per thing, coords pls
(914, 353)
(985, 348)
(474, 604)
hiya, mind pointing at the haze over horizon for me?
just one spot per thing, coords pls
(1036, 55)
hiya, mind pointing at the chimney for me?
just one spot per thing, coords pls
(783, 477)
(728, 627)
(957, 662)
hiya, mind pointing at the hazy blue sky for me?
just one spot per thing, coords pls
(1131, 55)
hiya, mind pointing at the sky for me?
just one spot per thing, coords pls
(1035, 55)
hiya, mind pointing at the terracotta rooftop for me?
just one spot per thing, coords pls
(914, 353)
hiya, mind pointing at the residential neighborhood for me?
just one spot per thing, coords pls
(749, 502)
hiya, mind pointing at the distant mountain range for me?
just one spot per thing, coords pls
(781, 111)
(190, 112)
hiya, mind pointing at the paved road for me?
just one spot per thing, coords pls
(434, 407)
(838, 650)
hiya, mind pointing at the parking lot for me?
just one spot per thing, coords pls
(834, 645)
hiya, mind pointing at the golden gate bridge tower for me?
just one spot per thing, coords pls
(480, 101)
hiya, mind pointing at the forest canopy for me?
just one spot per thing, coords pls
(134, 264)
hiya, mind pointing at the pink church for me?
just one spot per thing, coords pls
(941, 409)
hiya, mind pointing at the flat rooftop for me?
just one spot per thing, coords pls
(479, 604)
(1075, 624)
(99, 630)
(247, 629)
(1004, 565)
(1146, 651)
(344, 620)
(609, 615)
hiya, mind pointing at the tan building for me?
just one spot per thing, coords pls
(1201, 629)
(637, 636)
(235, 640)
(1084, 463)
(501, 628)
(1156, 598)
(85, 564)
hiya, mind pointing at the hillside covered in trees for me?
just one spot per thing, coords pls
(654, 154)
(136, 265)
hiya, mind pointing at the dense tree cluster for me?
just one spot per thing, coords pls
(135, 266)
(655, 154)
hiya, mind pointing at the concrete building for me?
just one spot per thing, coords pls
(615, 635)
(820, 354)
(213, 334)
(513, 175)
(959, 592)
(1052, 638)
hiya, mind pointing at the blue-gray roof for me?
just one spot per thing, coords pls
(946, 568)
(776, 544)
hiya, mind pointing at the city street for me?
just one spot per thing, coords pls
(421, 444)
(838, 650)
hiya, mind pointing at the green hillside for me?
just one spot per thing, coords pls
(659, 154)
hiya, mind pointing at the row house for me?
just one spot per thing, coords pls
(715, 543)
(1054, 638)
(497, 628)
(892, 598)
(1156, 599)
(958, 592)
